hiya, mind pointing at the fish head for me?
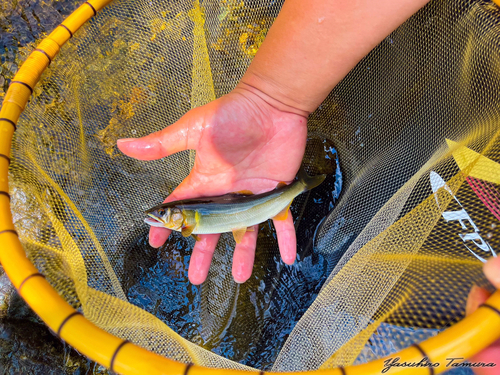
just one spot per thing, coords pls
(158, 216)
(166, 217)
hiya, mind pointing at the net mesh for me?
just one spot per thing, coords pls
(413, 130)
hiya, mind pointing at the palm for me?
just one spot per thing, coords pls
(241, 147)
(241, 143)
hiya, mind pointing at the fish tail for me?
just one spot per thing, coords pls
(309, 182)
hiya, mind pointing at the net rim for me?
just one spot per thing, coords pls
(467, 337)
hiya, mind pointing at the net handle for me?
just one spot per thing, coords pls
(462, 340)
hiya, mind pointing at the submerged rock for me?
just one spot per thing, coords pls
(28, 346)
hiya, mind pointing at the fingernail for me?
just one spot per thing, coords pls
(125, 140)
(476, 297)
(239, 277)
(471, 303)
(196, 280)
(239, 281)
(153, 244)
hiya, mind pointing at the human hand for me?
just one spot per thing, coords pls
(478, 296)
(242, 142)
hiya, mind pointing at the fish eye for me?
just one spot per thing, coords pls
(161, 212)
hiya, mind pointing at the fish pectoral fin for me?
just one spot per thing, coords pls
(238, 234)
(283, 213)
(187, 230)
(196, 237)
(242, 192)
(250, 229)
(281, 184)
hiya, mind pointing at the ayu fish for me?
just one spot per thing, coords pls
(234, 212)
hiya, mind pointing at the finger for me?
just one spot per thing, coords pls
(158, 236)
(477, 296)
(201, 258)
(244, 256)
(180, 136)
(492, 271)
(287, 240)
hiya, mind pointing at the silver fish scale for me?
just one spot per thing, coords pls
(246, 217)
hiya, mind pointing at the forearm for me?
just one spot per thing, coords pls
(313, 44)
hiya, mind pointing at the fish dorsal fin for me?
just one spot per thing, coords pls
(243, 192)
(283, 213)
(196, 237)
(238, 234)
(281, 184)
(187, 230)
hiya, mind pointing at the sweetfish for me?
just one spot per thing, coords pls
(233, 212)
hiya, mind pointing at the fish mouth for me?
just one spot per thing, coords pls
(154, 221)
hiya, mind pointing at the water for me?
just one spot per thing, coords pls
(27, 346)
(22, 22)
(260, 313)
(157, 280)
(255, 319)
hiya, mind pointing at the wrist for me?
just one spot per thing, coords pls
(273, 94)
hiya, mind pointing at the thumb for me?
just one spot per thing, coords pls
(477, 296)
(181, 135)
(492, 271)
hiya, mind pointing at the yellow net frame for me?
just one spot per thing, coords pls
(463, 340)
